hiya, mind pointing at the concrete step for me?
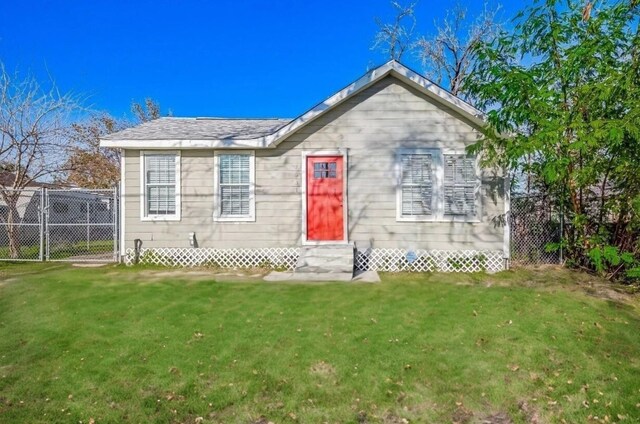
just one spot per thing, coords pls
(336, 260)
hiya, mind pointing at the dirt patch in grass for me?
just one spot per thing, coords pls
(198, 274)
(530, 413)
(461, 415)
(323, 368)
(498, 418)
(394, 419)
(12, 272)
(551, 277)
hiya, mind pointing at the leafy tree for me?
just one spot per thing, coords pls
(89, 165)
(33, 143)
(563, 90)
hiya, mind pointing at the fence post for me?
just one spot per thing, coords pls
(116, 223)
(561, 230)
(41, 217)
(88, 227)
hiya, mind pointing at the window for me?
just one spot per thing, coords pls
(235, 187)
(417, 184)
(324, 170)
(460, 185)
(433, 186)
(161, 194)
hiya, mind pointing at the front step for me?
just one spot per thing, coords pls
(328, 262)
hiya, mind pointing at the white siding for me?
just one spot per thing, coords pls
(372, 126)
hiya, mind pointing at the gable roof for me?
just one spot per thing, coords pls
(197, 133)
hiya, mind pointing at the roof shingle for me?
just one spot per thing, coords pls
(170, 128)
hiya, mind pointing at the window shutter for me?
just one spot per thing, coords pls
(417, 184)
(460, 182)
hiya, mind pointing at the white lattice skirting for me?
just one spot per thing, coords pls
(389, 260)
(274, 258)
(401, 260)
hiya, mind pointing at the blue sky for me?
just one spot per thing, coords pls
(203, 58)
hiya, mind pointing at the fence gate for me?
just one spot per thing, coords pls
(81, 225)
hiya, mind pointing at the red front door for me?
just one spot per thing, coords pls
(325, 219)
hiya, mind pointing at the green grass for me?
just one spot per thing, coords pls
(149, 345)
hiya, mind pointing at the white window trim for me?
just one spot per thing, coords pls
(437, 162)
(143, 186)
(217, 210)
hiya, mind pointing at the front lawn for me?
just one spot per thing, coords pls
(149, 345)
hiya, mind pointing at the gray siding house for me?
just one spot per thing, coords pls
(380, 165)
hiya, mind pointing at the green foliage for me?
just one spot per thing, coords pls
(563, 90)
(609, 259)
(462, 263)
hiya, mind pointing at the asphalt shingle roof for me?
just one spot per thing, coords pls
(199, 129)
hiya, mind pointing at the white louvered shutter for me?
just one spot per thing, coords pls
(160, 184)
(460, 185)
(417, 184)
(235, 185)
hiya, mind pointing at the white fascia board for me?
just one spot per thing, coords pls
(182, 144)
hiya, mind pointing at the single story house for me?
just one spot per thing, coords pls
(380, 165)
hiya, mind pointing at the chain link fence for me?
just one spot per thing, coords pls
(59, 225)
(536, 223)
(21, 224)
(81, 225)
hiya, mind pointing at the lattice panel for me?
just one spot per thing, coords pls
(390, 260)
(397, 260)
(274, 258)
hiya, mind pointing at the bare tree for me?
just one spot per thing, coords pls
(395, 38)
(449, 55)
(147, 111)
(33, 140)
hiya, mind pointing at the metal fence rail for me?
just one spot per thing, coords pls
(59, 225)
